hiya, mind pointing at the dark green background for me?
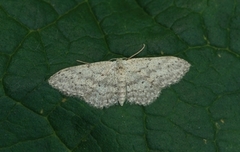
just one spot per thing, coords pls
(39, 37)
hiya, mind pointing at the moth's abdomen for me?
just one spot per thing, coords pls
(121, 82)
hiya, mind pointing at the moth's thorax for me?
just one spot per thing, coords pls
(121, 77)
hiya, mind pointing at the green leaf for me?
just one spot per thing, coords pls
(38, 38)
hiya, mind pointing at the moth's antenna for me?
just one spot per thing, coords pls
(82, 62)
(137, 52)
